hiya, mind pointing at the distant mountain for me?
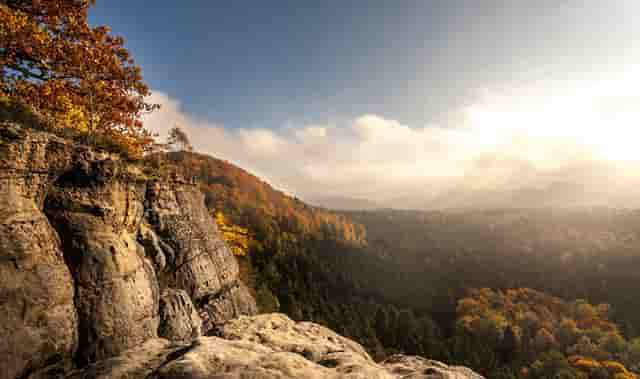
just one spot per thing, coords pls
(343, 203)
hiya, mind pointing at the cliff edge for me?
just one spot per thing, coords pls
(109, 271)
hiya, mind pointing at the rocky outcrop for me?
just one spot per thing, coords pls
(97, 207)
(108, 273)
(267, 347)
(88, 243)
(191, 253)
(37, 314)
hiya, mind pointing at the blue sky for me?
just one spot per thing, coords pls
(398, 101)
(269, 63)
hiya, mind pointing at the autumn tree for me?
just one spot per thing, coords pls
(235, 236)
(179, 140)
(80, 76)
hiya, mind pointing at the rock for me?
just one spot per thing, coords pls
(344, 357)
(136, 363)
(268, 347)
(196, 258)
(179, 320)
(37, 314)
(78, 258)
(213, 357)
(280, 333)
(232, 302)
(97, 207)
(419, 367)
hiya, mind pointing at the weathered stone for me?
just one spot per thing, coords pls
(280, 333)
(269, 347)
(196, 258)
(97, 209)
(136, 363)
(179, 320)
(37, 315)
(73, 268)
(419, 367)
(213, 357)
(232, 302)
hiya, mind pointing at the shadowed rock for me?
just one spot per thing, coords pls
(179, 320)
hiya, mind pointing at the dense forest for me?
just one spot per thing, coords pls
(398, 281)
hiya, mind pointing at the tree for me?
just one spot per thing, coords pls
(79, 76)
(179, 140)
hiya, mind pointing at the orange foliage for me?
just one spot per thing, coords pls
(545, 323)
(53, 60)
(248, 201)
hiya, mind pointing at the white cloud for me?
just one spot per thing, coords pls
(311, 133)
(544, 142)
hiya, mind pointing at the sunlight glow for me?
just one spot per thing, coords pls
(597, 118)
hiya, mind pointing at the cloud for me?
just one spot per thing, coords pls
(311, 133)
(523, 146)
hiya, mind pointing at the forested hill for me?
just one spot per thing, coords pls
(250, 202)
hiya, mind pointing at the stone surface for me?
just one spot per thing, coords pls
(268, 347)
(136, 363)
(78, 257)
(191, 254)
(279, 332)
(37, 314)
(419, 367)
(179, 319)
(97, 207)
(232, 302)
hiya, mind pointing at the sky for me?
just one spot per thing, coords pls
(417, 104)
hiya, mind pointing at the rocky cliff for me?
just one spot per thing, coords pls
(108, 271)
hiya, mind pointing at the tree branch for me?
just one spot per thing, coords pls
(27, 73)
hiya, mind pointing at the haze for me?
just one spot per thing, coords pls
(420, 105)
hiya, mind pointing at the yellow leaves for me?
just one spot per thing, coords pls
(235, 236)
(615, 369)
(53, 60)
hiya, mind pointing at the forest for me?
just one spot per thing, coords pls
(497, 291)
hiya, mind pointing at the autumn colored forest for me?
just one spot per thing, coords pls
(511, 294)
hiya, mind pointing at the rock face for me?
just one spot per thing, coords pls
(97, 207)
(37, 315)
(179, 319)
(107, 273)
(267, 346)
(87, 245)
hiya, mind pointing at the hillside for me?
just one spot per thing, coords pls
(251, 202)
